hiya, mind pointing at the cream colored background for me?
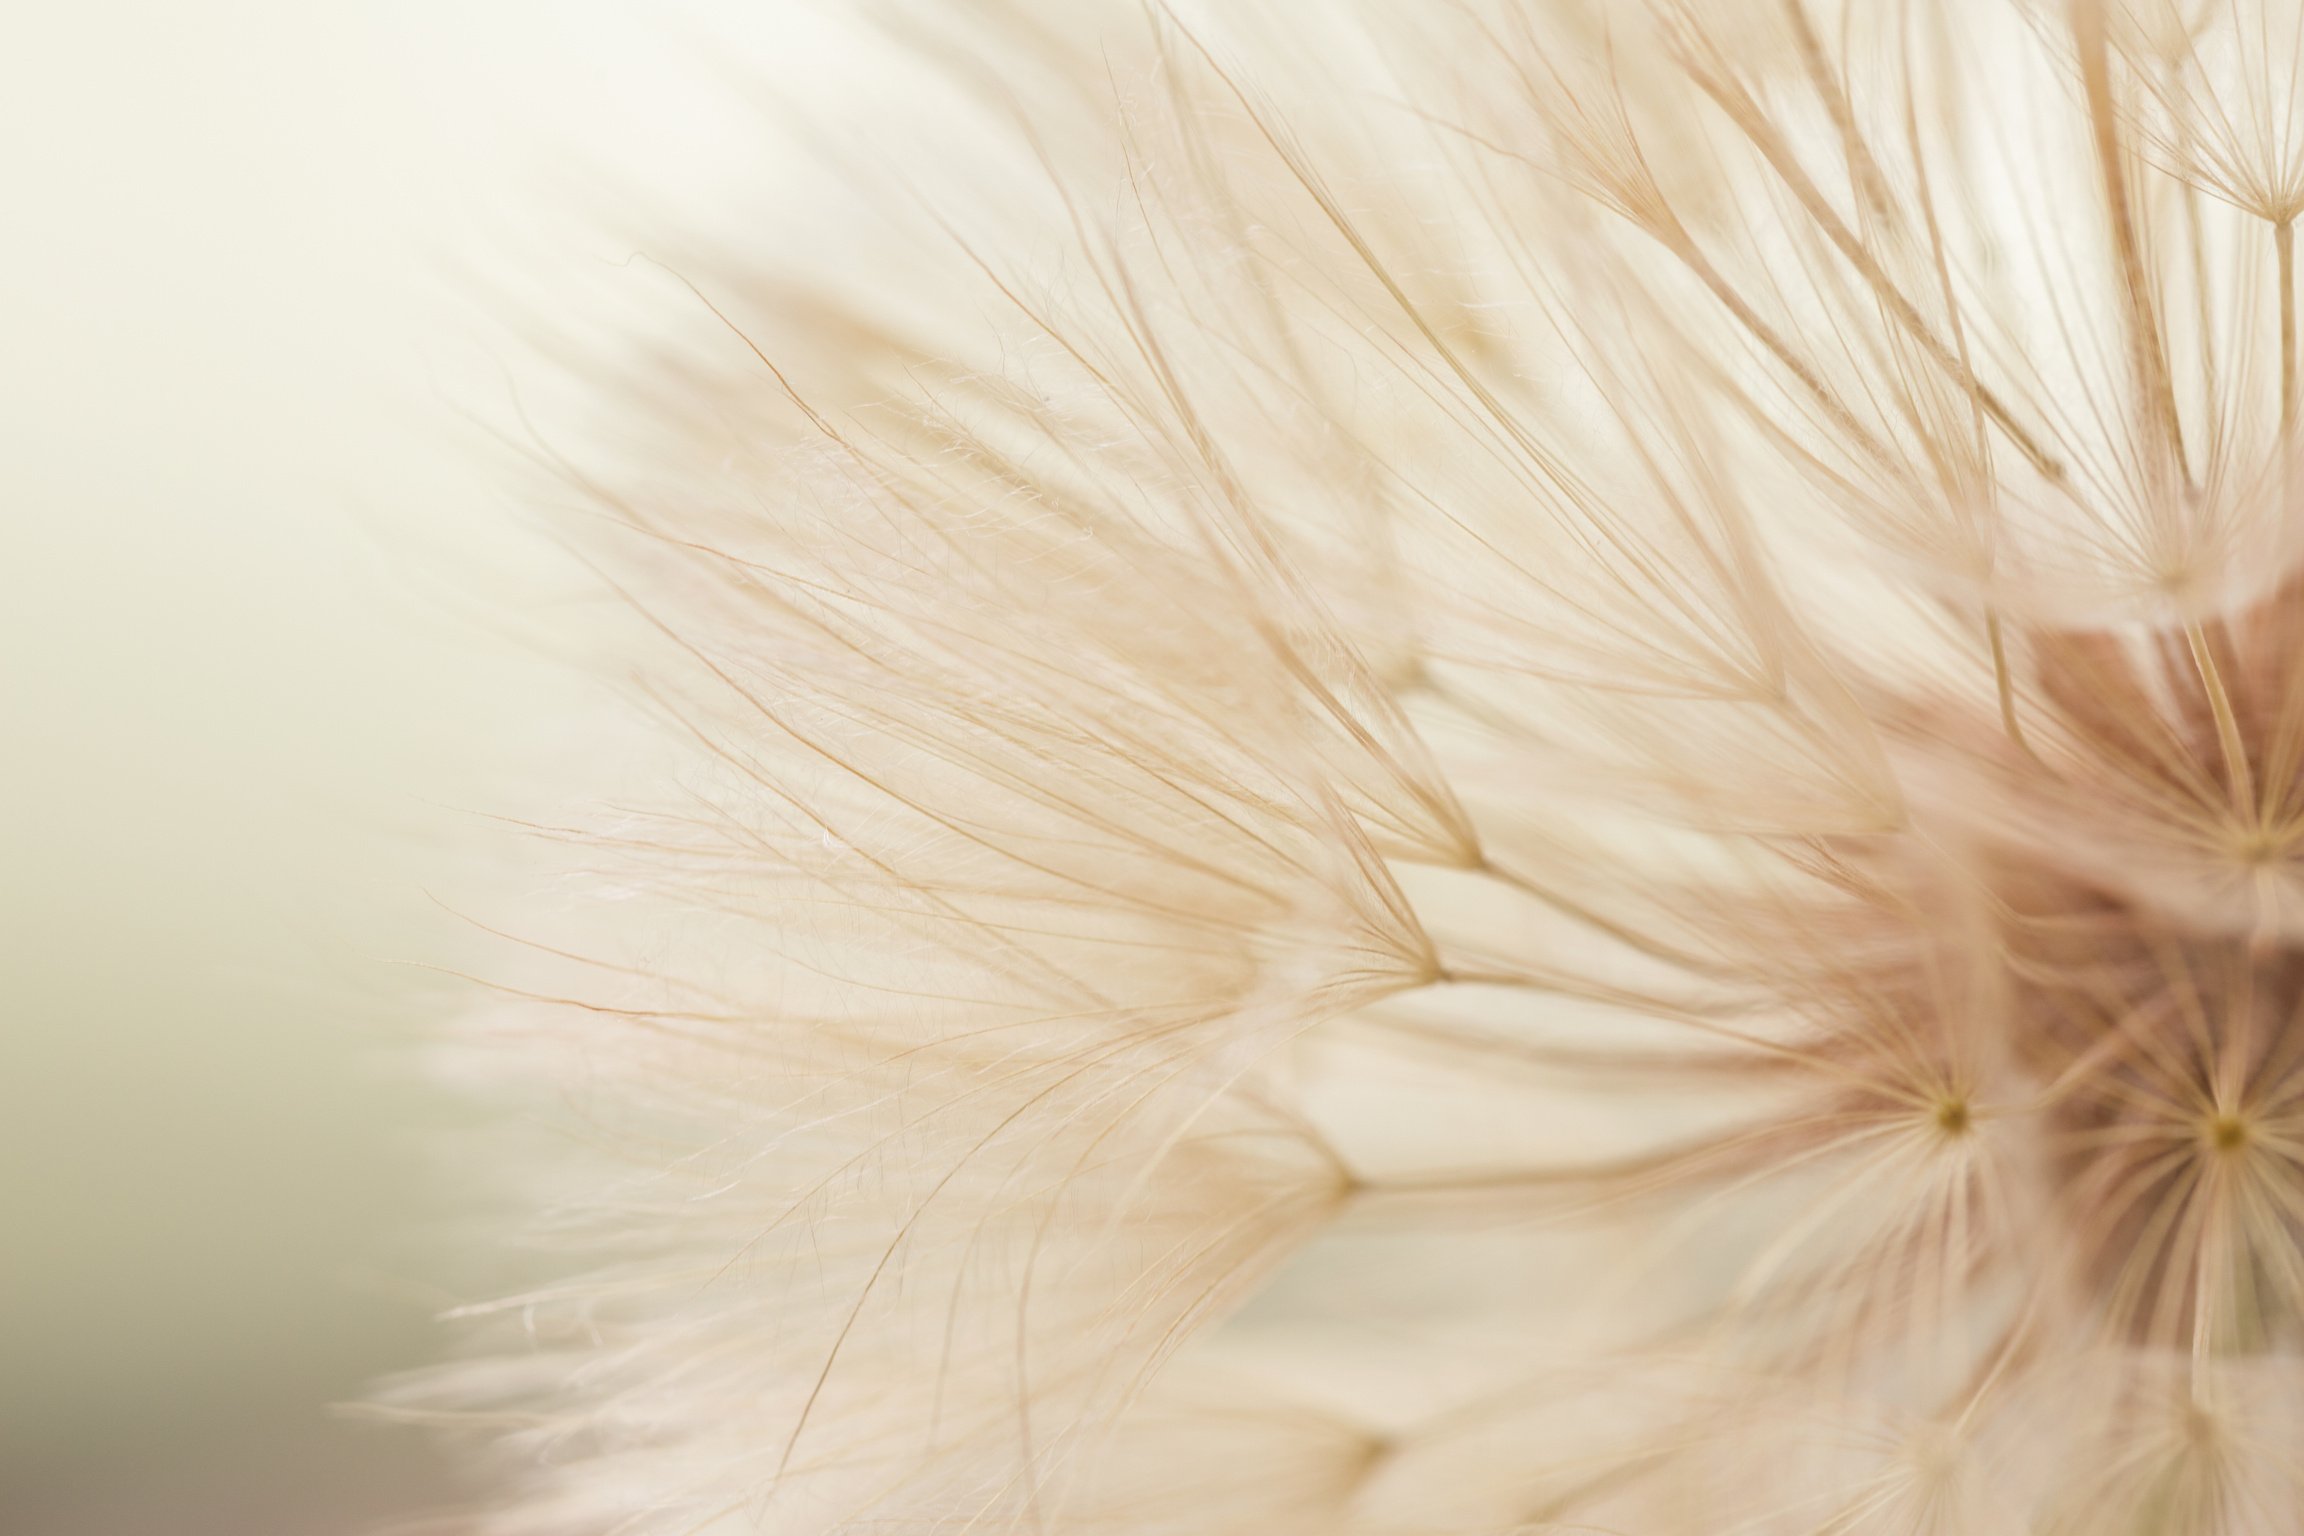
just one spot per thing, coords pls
(254, 586)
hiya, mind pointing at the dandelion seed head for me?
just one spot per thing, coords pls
(1538, 769)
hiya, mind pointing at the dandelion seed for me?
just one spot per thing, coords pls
(1553, 780)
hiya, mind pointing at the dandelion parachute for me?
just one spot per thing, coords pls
(1534, 767)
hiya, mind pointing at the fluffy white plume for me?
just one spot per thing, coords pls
(1502, 766)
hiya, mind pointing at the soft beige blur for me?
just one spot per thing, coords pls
(257, 604)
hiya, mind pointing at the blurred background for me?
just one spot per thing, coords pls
(269, 626)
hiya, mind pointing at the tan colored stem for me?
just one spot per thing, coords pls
(2156, 391)
(2227, 722)
(2284, 243)
(2002, 681)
